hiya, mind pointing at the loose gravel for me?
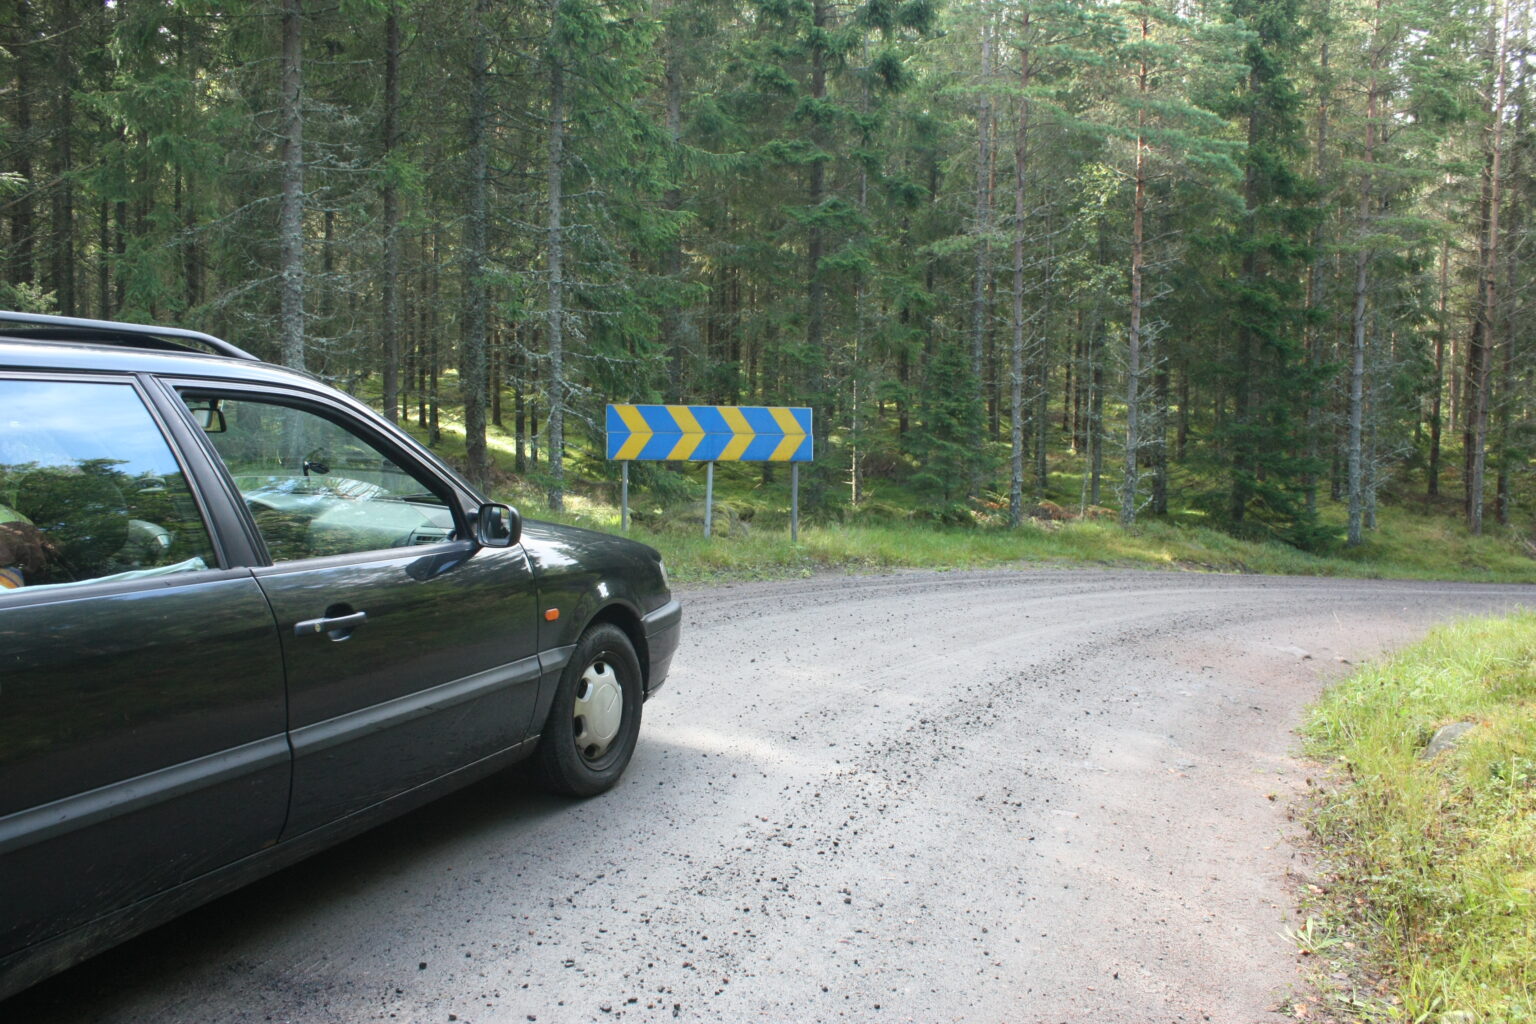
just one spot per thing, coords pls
(985, 797)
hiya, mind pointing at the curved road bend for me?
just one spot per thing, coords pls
(986, 797)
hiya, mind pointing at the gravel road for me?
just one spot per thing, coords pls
(987, 797)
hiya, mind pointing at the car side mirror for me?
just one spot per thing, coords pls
(497, 525)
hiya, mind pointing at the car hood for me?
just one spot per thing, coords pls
(553, 547)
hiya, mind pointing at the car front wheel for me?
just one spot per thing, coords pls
(595, 718)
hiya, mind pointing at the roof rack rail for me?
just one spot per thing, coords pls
(70, 328)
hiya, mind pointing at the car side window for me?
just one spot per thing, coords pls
(315, 487)
(90, 489)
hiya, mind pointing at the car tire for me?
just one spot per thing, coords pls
(595, 718)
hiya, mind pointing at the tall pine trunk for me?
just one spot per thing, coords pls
(472, 357)
(1316, 272)
(1436, 402)
(555, 383)
(1042, 352)
(982, 272)
(21, 257)
(1128, 486)
(672, 327)
(1355, 444)
(1016, 346)
(1353, 451)
(1480, 351)
(291, 216)
(390, 286)
(815, 361)
(62, 249)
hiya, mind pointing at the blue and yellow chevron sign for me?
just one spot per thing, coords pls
(709, 433)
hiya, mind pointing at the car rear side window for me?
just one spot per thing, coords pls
(89, 489)
(315, 487)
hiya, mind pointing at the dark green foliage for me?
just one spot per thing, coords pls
(777, 203)
(947, 443)
(1263, 364)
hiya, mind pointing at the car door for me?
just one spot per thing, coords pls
(409, 649)
(142, 722)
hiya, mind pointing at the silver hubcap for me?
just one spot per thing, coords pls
(599, 710)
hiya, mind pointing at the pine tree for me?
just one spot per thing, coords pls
(950, 423)
(1266, 372)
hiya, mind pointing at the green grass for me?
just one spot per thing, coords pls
(1409, 547)
(1434, 861)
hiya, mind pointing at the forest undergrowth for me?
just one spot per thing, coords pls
(897, 528)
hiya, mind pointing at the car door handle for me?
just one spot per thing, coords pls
(311, 627)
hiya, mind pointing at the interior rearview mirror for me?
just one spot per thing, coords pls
(208, 415)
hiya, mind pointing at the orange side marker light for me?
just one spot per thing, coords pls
(551, 614)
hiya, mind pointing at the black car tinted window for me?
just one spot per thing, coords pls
(89, 488)
(315, 487)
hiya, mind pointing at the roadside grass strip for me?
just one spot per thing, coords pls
(765, 552)
(1426, 899)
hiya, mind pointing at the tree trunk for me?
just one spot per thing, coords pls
(1507, 392)
(103, 260)
(1095, 428)
(1128, 486)
(496, 353)
(814, 363)
(1041, 418)
(20, 265)
(1160, 388)
(62, 249)
(1244, 397)
(1315, 275)
(472, 356)
(432, 332)
(389, 290)
(556, 263)
(982, 272)
(673, 334)
(1068, 389)
(1479, 352)
(861, 330)
(1358, 316)
(1181, 436)
(1442, 330)
(1356, 399)
(407, 348)
(1016, 347)
(291, 215)
(1502, 497)
(519, 405)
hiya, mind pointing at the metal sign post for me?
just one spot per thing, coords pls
(710, 434)
(794, 503)
(624, 499)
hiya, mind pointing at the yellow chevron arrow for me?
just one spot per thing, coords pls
(693, 434)
(794, 434)
(639, 432)
(742, 431)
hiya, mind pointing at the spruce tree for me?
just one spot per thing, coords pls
(1264, 370)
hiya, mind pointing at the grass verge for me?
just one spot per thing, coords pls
(885, 535)
(1428, 903)
(1409, 547)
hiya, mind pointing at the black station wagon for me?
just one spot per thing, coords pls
(242, 617)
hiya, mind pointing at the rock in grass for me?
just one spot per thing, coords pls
(1445, 738)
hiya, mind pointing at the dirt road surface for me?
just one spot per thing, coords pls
(986, 797)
